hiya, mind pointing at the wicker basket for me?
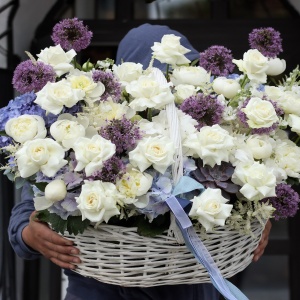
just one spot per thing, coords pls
(118, 255)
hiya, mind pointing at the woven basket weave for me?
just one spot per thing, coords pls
(118, 255)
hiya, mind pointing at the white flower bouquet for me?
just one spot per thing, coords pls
(108, 145)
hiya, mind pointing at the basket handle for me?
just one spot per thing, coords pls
(177, 167)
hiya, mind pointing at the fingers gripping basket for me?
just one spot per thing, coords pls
(119, 255)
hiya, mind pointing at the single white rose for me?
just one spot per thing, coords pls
(290, 102)
(210, 209)
(254, 65)
(149, 92)
(260, 113)
(98, 115)
(294, 123)
(227, 87)
(66, 132)
(256, 180)
(273, 92)
(97, 201)
(56, 190)
(54, 96)
(56, 57)
(84, 82)
(184, 91)
(212, 144)
(260, 146)
(25, 128)
(127, 72)
(192, 75)
(276, 66)
(133, 184)
(286, 156)
(44, 155)
(157, 151)
(90, 153)
(170, 51)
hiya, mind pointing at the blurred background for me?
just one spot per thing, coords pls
(26, 25)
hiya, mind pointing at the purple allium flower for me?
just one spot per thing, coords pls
(123, 133)
(263, 130)
(112, 169)
(217, 60)
(266, 40)
(286, 203)
(71, 34)
(206, 110)
(32, 76)
(112, 85)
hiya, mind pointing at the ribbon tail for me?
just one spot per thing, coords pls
(195, 245)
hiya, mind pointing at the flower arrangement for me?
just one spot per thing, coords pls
(93, 139)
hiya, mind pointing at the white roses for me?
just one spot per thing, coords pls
(156, 151)
(170, 50)
(210, 208)
(254, 64)
(212, 144)
(54, 96)
(97, 201)
(56, 57)
(43, 155)
(149, 92)
(92, 152)
(25, 128)
(256, 179)
(260, 113)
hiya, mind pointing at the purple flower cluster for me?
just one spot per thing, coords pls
(286, 203)
(206, 110)
(123, 133)
(263, 130)
(217, 60)
(112, 169)
(32, 76)
(266, 40)
(71, 34)
(112, 85)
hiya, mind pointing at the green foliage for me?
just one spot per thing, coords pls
(160, 224)
(73, 224)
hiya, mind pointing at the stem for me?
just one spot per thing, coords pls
(149, 114)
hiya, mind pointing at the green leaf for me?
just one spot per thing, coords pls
(156, 227)
(57, 223)
(2, 132)
(41, 185)
(73, 224)
(76, 225)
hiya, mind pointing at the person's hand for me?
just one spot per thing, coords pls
(50, 244)
(258, 252)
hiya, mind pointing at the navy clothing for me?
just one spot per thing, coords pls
(137, 43)
(80, 287)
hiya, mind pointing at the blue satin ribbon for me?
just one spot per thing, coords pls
(194, 243)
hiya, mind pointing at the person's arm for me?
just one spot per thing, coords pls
(259, 251)
(30, 238)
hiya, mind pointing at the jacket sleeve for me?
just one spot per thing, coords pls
(18, 220)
